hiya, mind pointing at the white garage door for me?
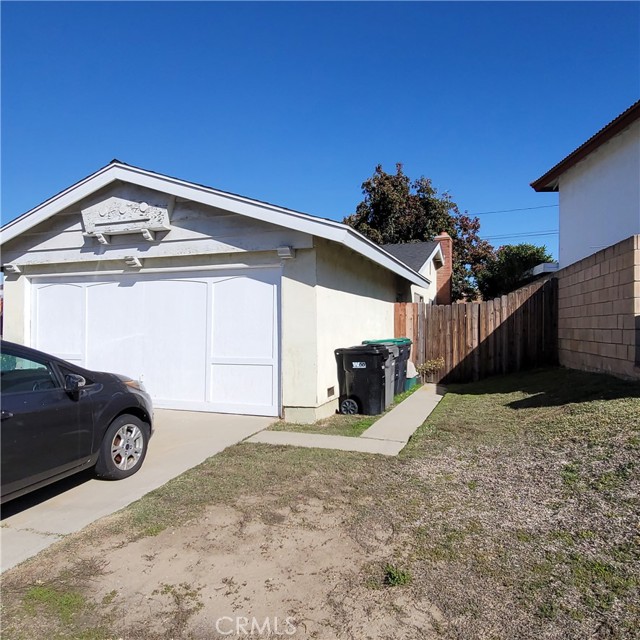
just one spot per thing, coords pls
(205, 342)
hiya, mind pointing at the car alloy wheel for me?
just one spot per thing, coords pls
(123, 448)
(127, 447)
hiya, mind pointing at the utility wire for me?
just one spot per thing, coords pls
(532, 234)
(486, 213)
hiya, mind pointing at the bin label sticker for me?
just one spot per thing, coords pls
(359, 365)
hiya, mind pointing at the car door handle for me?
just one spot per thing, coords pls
(5, 415)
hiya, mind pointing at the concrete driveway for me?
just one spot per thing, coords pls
(182, 440)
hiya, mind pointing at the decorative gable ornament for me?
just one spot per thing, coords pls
(118, 216)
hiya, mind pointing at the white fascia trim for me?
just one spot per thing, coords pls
(327, 229)
(60, 201)
(362, 245)
(206, 269)
(436, 252)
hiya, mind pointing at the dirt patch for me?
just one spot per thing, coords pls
(295, 571)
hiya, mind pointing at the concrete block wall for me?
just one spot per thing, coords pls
(599, 311)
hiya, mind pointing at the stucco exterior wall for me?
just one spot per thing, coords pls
(15, 314)
(600, 198)
(428, 294)
(599, 311)
(355, 302)
(299, 335)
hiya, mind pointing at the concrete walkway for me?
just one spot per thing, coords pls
(387, 436)
(322, 441)
(182, 440)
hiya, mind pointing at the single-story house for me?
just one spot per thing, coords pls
(599, 187)
(434, 260)
(215, 301)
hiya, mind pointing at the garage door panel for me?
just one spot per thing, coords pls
(61, 307)
(175, 355)
(248, 385)
(115, 341)
(244, 319)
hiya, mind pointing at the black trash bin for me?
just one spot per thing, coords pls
(404, 351)
(362, 376)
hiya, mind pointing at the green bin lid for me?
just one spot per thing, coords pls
(397, 341)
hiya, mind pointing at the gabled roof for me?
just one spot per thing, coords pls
(549, 181)
(303, 222)
(414, 254)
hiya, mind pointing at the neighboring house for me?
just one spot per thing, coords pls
(217, 302)
(432, 260)
(599, 186)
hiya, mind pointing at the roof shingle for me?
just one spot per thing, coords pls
(413, 254)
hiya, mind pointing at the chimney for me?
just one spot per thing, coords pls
(444, 273)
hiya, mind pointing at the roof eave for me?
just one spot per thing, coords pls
(59, 201)
(549, 181)
(550, 186)
(390, 262)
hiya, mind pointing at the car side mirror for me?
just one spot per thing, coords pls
(73, 383)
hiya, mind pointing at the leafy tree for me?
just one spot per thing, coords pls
(396, 209)
(508, 269)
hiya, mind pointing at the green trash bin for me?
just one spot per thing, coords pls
(404, 349)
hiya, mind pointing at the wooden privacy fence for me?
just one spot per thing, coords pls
(480, 339)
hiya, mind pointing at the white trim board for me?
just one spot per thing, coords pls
(320, 227)
(437, 250)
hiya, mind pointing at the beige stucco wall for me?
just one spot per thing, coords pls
(15, 315)
(428, 294)
(599, 311)
(298, 330)
(354, 302)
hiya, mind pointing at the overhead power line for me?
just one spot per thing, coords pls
(529, 234)
(486, 213)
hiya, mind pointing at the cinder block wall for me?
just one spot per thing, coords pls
(599, 311)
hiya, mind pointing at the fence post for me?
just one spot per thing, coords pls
(475, 335)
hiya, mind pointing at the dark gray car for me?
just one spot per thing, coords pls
(58, 419)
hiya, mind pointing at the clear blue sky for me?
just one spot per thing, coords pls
(295, 103)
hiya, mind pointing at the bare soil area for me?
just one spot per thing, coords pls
(297, 571)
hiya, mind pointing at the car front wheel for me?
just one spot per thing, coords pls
(123, 448)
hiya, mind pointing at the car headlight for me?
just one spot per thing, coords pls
(135, 384)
